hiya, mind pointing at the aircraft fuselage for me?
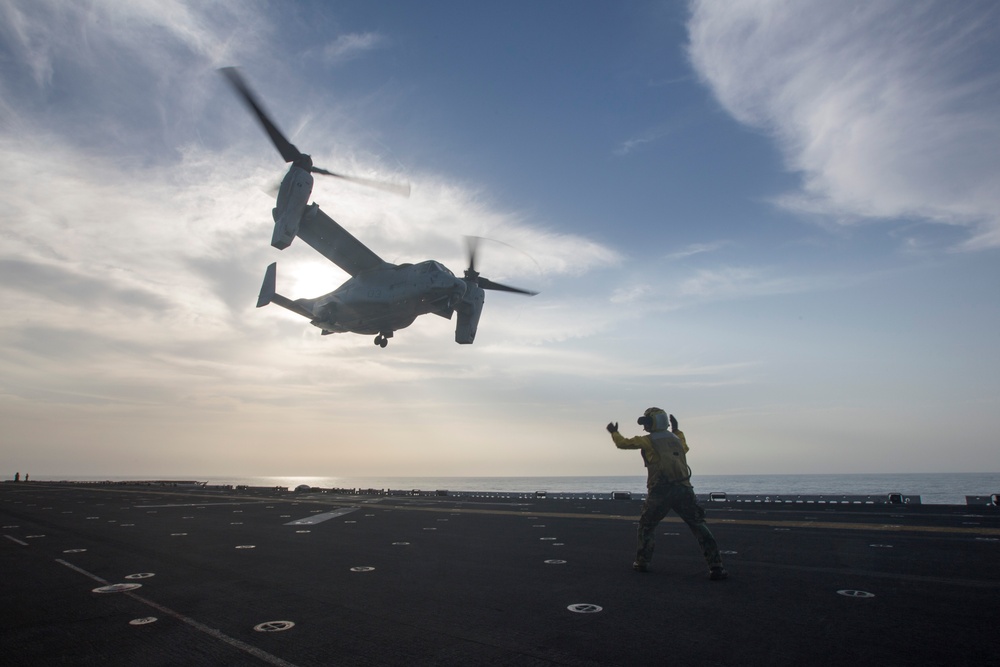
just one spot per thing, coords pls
(385, 299)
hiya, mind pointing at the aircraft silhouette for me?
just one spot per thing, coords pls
(380, 297)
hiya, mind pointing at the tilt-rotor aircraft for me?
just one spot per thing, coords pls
(380, 297)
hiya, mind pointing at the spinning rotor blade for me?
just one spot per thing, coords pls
(287, 149)
(396, 188)
(489, 284)
(472, 243)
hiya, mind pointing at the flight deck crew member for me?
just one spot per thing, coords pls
(669, 488)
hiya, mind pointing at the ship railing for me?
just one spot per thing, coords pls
(894, 498)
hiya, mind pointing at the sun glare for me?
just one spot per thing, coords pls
(309, 279)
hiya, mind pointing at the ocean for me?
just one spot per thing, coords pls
(933, 488)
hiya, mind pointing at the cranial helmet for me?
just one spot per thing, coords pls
(653, 419)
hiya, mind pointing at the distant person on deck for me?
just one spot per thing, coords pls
(669, 488)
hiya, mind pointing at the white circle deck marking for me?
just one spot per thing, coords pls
(539, 525)
(5, 527)
(729, 553)
(74, 551)
(31, 537)
(671, 533)
(583, 608)
(302, 531)
(126, 524)
(235, 523)
(548, 539)
(555, 561)
(988, 539)
(851, 593)
(274, 626)
(400, 544)
(246, 546)
(350, 522)
(362, 568)
(558, 544)
(91, 518)
(880, 546)
(177, 534)
(140, 575)
(117, 588)
(143, 621)
(430, 528)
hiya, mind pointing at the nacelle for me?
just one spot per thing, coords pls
(293, 196)
(469, 310)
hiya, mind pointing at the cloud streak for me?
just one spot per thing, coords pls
(886, 109)
(350, 46)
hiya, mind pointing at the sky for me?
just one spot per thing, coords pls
(777, 220)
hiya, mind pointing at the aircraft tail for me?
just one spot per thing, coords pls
(268, 294)
(267, 289)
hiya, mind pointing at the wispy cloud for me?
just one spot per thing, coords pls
(649, 136)
(697, 249)
(49, 33)
(887, 109)
(347, 47)
(632, 293)
(736, 282)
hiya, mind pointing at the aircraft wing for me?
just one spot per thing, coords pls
(336, 243)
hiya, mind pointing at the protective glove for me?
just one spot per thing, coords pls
(612, 427)
(673, 423)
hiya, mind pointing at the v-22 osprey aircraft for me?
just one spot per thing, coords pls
(380, 297)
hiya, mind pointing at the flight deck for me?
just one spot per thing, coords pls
(123, 574)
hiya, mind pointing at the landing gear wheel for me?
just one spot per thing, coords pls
(381, 340)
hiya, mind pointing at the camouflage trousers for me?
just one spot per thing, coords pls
(681, 499)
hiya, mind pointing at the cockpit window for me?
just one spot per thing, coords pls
(442, 268)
